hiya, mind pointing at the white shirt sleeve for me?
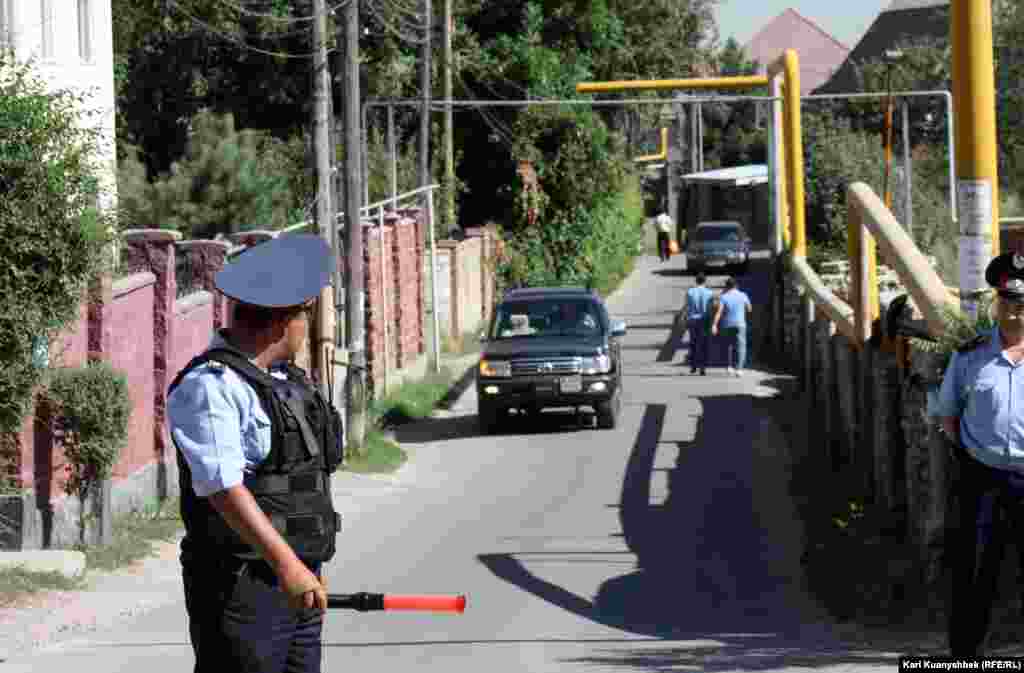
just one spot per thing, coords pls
(205, 423)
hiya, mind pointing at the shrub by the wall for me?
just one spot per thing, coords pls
(91, 407)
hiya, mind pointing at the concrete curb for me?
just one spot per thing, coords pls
(70, 564)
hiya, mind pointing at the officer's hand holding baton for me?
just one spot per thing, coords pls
(302, 587)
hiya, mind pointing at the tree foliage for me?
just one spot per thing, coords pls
(228, 181)
(53, 232)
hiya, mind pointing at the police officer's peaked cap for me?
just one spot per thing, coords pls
(1006, 274)
(285, 271)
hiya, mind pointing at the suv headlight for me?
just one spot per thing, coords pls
(602, 364)
(495, 368)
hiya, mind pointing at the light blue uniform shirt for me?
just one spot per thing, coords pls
(734, 308)
(697, 300)
(217, 421)
(986, 391)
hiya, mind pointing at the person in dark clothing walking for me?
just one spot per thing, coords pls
(698, 300)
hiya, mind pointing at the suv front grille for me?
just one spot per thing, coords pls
(561, 365)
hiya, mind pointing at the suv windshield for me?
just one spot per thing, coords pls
(547, 317)
(718, 234)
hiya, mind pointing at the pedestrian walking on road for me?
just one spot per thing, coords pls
(981, 410)
(256, 443)
(664, 226)
(698, 301)
(731, 318)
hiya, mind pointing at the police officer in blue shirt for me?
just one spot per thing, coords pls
(981, 409)
(256, 444)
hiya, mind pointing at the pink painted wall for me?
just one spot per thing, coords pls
(193, 329)
(131, 352)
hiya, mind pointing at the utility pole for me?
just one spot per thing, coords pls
(355, 315)
(321, 130)
(977, 170)
(424, 153)
(324, 211)
(449, 128)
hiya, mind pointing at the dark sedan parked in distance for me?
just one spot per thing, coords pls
(718, 245)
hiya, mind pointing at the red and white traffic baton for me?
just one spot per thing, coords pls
(366, 602)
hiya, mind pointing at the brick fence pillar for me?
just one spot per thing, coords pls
(153, 250)
(205, 259)
(100, 310)
(251, 238)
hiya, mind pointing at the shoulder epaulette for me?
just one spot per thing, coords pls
(976, 342)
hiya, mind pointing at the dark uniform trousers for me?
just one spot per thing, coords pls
(240, 622)
(991, 508)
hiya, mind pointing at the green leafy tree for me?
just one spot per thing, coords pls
(225, 183)
(53, 233)
(733, 60)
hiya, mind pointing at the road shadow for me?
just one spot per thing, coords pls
(466, 426)
(711, 564)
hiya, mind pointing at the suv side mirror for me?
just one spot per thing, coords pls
(618, 328)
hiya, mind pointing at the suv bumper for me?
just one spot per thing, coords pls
(544, 391)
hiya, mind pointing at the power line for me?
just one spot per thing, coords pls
(240, 42)
(275, 17)
(398, 32)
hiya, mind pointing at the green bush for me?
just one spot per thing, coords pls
(837, 155)
(52, 234)
(228, 181)
(583, 222)
(92, 408)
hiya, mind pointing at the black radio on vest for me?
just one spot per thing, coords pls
(292, 485)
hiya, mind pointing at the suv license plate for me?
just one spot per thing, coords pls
(571, 384)
(717, 262)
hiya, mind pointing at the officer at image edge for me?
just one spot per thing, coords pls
(256, 443)
(980, 406)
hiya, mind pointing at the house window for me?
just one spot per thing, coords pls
(6, 25)
(46, 21)
(85, 30)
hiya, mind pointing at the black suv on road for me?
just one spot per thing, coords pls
(550, 347)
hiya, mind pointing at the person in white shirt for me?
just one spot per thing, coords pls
(664, 225)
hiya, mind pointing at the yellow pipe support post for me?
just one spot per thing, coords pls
(661, 155)
(789, 64)
(778, 161)
(976, 152)
(745, 82)
(924, 284)
(863, 251)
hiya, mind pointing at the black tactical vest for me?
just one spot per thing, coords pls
(292, 485)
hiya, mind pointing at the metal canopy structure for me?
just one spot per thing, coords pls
(734, 176)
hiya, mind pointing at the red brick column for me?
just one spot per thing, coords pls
(253, 237)
(206, 258)
(153, 250)
(372, 305)
(100, 309)
(403, 317)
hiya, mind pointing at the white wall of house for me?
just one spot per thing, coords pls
(70, 42)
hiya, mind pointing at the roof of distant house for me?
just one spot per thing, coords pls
(904, 20)
(820, 53)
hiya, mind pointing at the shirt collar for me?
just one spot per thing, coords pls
(220, 340)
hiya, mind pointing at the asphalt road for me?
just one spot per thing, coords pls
(668, 543)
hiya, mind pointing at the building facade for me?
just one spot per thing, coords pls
(70, 44)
